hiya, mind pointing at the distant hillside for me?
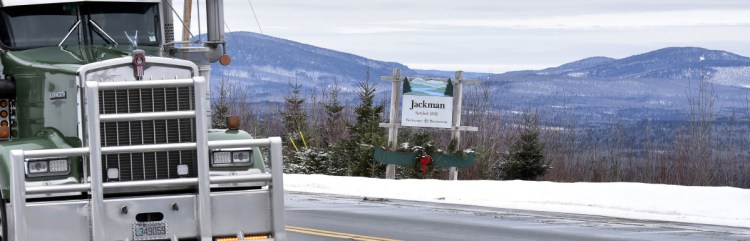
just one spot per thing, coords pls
(649, 86)
(271, 63)
(599, 90)
(577, 65)
(666, 63)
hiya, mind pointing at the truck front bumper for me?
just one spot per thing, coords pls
(232, 212)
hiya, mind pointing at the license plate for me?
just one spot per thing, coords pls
(150, 230)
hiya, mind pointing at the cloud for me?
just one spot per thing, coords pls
(631, 20)
(481, 68)
(355, 17)
(375, 30)
(491, 35)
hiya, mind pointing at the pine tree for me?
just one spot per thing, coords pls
(365, 135)
(220, 107)
(525, 159)
(449, 88)
(407, 86)
(294, 117)
(334, 117)
(334, 134)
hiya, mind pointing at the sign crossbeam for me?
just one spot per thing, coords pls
(454, 125)
(465, 81)
(398, 125)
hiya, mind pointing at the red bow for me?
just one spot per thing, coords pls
(425, 160)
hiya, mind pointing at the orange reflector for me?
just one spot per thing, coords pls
(4, 103)
(247, 237)
(225, 60)
(4, 132)
(233, 122)
(4, 113)
(258, 237)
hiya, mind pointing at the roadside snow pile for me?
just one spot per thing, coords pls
(706, 205)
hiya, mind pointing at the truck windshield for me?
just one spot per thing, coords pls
(124, 22)
(87, 23)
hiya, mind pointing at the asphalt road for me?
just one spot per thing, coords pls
(327, 217)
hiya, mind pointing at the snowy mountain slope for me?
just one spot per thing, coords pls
(732, 76)
(268, 64)
(666, 63)
(576, 65)
(651, 85)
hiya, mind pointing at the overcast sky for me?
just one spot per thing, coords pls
(495, 35)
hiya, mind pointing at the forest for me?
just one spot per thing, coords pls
(325, 135)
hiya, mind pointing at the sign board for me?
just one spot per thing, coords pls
(425, 104)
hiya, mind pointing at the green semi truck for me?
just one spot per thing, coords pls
(104, 130)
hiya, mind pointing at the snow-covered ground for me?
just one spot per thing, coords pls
(706, 205)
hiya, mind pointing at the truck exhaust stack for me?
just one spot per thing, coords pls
(215, 23)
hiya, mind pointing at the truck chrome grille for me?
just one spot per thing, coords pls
(147, 165)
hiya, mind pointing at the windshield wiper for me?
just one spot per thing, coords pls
(134, 40)
(69, 32)
(101, 31)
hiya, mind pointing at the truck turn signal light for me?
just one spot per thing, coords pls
(225, 60)
(247, 237)
(6, 118)
(4, 132)
(233, 122)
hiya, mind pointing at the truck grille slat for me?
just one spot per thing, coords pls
(121, 101)
(150, 165)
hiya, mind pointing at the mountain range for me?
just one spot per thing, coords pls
(652, 85)
(272, 63)
(666, 63)
(267, 65)
(657, 85)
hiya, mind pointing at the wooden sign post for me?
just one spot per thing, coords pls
(393, 125)
(394, 122)
(457, 128)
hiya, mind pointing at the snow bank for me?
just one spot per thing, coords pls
(707, 205)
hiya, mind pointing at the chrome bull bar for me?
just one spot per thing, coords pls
(94, 151)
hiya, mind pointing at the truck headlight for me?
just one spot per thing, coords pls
(47, 167)
(222, 158)
(231, 158)
(241, 157)
(37, 167)
(56, 166)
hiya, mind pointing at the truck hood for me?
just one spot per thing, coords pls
(67, 59)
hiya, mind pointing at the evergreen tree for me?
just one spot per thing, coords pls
(294, 116)
(407, 86)
(334, 134)
(365, 135)
(449, 88)
(220, 107)
(525, 159)
(334, 117)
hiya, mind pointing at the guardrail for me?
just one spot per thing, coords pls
(94, 152)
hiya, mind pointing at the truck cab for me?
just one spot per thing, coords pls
(104, 130)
